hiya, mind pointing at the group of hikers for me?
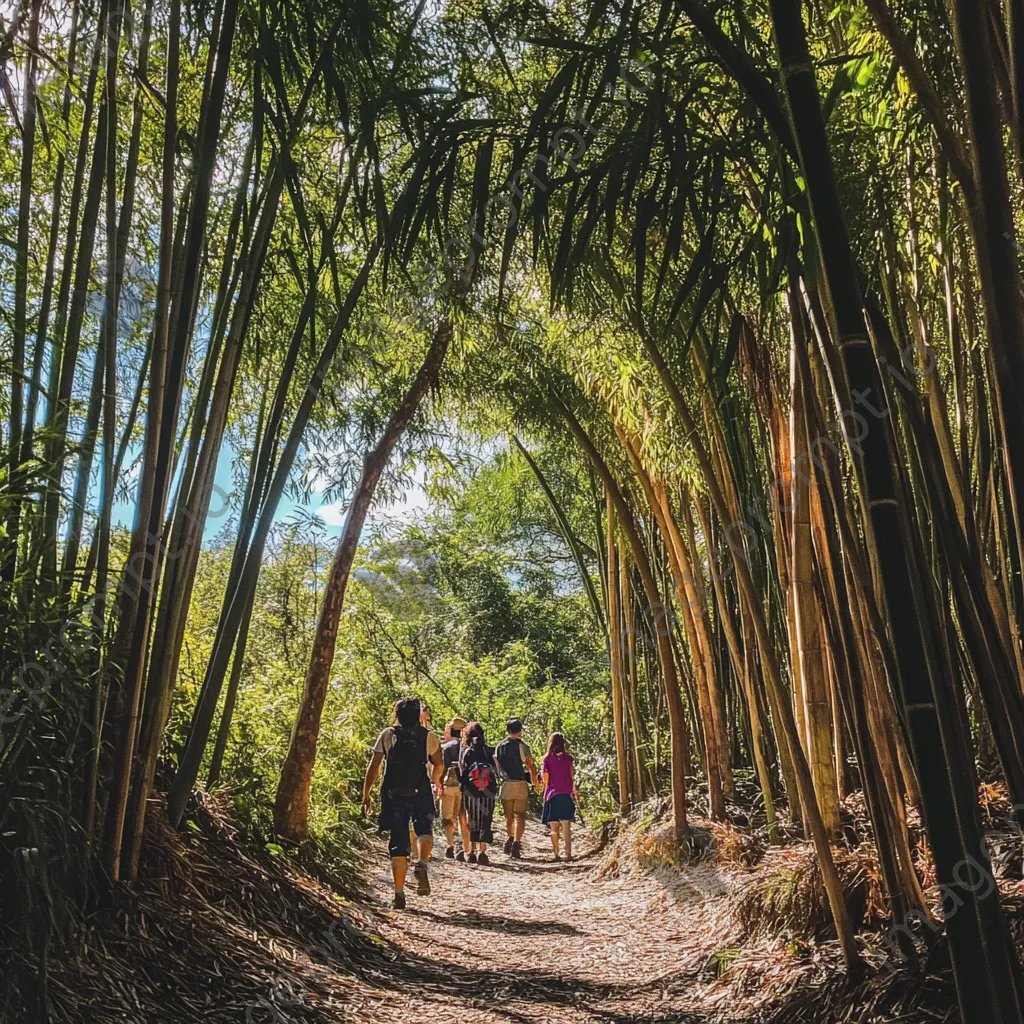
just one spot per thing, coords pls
(462, 778)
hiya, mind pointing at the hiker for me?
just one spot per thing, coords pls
(560, 793)
(479, 775)
(406, 793)
(515, 761)
(450, 790)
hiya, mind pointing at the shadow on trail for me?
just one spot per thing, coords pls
(532, 867)
(505, 925)
(649, 1018)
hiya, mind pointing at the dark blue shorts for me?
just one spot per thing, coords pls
(559, 808)
(398, 813)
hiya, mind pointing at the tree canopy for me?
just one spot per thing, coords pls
(701, 322)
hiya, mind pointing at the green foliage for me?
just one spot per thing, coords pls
(472, 607)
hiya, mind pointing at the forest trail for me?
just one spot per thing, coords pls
(535, 942)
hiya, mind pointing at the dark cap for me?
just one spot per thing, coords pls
(513, 725)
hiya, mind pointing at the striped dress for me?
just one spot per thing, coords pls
(478, 803)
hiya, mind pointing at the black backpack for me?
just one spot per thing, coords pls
(478, 775)
(510, 758)
(450, 753)
(405, 772)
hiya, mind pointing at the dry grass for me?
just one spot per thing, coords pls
(788, 897)
(736, 847)
(646, 842)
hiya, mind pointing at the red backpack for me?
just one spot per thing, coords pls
(481, 775)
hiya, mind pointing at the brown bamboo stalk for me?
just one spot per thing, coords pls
(809, 660)
(615, 652)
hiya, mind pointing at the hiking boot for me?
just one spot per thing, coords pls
(483, 859)
(422, 879)
(461, 856)
(517, 850)
(472, 857)
(509, 843)
(399, 903)
(450, 853)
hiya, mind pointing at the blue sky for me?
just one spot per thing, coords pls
(332, 512)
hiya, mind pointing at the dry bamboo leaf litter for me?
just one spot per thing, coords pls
(225, 932)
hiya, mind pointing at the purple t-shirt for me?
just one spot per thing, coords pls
(559, 769)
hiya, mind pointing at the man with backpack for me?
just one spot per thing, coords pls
(406, 793)
(516, 763)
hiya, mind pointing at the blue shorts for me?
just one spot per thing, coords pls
(398, 814)
(559, 808)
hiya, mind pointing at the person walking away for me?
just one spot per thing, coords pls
(479, 775)
(406, 792)
(450, 790)
(560, 793)
(515, 762)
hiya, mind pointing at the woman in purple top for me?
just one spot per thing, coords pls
(559, 793)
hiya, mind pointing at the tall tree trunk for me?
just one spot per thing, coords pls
(998, 252)
(51, 498)
(57, 203)
(705, 724)
(983, 956)
(630, 670)
(20, 325)
(781, 707)
(615, 658)
(740, 661)
(810, 662)
(220, 745)
(117, 233)
(126, 711)
(666, 656)
(291, 805)
(227, 628)
(57, 427)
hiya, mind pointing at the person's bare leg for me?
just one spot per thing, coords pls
(412, 844)
(554, 836)
(567, 830)
(465, 833)
(510, 823)
(520, 826)
(399, 869)
(449, 832)
(424, 846)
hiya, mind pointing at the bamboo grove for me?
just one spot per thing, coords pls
(752, 267)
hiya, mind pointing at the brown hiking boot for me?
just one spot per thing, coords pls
(422, 879)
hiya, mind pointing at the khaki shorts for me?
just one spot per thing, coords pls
(451, 805)
(515, 797)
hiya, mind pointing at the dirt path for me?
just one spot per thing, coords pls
(538, 942)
